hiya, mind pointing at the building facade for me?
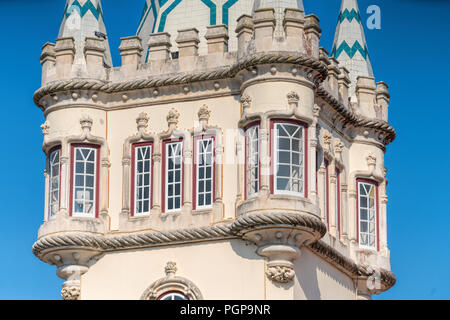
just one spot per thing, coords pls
(228, 157)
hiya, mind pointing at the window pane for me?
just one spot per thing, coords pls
(84, 196)
(252, 160)
(53, 205)
(289, 158)
(173, 175)
(367, 211)
(204, 156)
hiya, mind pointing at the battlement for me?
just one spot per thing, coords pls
(256, 38)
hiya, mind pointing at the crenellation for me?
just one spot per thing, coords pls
(94, 50)
(48, 61)
(159, 46)
(264, 27)
(217, 39)
(131, 52)
(294, 23)
(65, 54)
(313, 33)
(366, 94)
(187, 41)
(244, 32)
(344, 85)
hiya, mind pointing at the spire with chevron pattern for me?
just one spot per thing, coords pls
(81, 19)
(350, 47)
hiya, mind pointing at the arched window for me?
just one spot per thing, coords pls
(252, 168)
(174, 295)
(54, 171)
(289, 158)
(367, 203)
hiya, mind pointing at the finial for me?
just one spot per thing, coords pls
(86, 123)
(326, 140)
(171, 269)
(293, 98)
(172, 117)
(246, 101)
(45, 128)
(204, 114)
(142, 121)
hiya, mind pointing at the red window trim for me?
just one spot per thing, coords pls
(327, 192)
(59, 189)
(272, 152)
(97, 175)
(338, 200)
(358, 180)
(248, 126)
(163, 172)
(194, 163)
(133, 174)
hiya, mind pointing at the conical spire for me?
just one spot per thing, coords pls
(350, 47)
(84, 18)
(147, 24)
(279, 6)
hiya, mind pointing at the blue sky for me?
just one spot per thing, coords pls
(411, 53)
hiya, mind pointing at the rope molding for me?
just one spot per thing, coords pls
(355, 120)
(182, 78)
(219, 232)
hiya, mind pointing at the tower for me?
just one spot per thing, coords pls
(218, 161)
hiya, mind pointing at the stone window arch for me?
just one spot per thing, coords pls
(172, 284)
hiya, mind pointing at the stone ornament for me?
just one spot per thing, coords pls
(142, 121)
(204, 114)
(171, 282)
(45, 128)
(281, 274)
(173, 117)
(246, 101)
(71, 292)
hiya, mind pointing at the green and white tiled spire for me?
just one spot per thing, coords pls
(350, 47)
(279, 6)
(83, 18)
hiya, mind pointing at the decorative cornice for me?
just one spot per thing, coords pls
(183, 78)
(355, 120)
(252, 221)
(218, 232)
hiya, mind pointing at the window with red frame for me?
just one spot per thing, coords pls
(141, 194)
(326, 197)
(289, 155)
(173, 175)
(252, 161)
(84, 177)
(338, 200)
(54, 172)
(367, 214)
(203, 172)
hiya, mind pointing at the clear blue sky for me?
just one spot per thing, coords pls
(411, 53)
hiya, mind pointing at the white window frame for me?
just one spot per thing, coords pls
(94, 189)
(137, 150)
(54, 177)
(276, 162)
(250, 155)
(200, 141)
(375, 208)
(174, 183)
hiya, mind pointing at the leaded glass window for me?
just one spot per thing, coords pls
(204, 174)
(142, 180)
(84, 182)
(289, 159)
(54, 178)
(252, 156)
(367, 215)
(173, 176)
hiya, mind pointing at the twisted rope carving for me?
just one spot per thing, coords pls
(355, 120)
(129, 241)
(182, 78)
(266, 219)
(224, 231)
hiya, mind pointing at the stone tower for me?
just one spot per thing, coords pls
(227, 157)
